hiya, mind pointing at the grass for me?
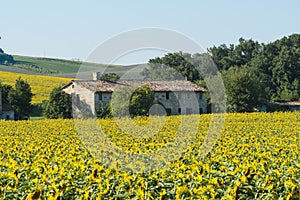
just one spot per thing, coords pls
(61, 67)
(36, 118)
(54, 65)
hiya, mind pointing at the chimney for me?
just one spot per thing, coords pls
(96, 76)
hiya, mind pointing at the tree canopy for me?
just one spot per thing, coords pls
(140, 99)
(172, 66)
(59, 105)
(109, 77)
(244, 90)
(277, 63)
(20, 98)
(5, 59)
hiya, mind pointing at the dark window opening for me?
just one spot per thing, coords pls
(179, 110)
(168, 95)
(200, 96)
(100, 96)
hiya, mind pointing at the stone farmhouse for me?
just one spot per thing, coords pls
(176, 97)
(6, 112)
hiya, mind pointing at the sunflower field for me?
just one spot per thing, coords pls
(41, 86)
(256, 156)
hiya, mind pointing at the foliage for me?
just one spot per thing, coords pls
(278, 64)
(20, 98)
(5, 89)
(256, 157)
(172, 66)
(59, 105)
(141, 101)
(109, 77)
(104, 111)
(5, 58)
(132, 101)
(239, 55)
(244, 90)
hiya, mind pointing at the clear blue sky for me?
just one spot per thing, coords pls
(72, 29)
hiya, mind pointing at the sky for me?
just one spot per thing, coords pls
(74, 29)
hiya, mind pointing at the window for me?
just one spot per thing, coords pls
(200, 95)
(167, 95)
(100, 96)
(179, 110)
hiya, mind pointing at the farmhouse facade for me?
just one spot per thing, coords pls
(177, 97)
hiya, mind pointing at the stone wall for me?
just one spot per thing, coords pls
(82, 101)
(174, 103)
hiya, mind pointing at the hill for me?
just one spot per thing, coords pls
(58, 67)
(41, 85)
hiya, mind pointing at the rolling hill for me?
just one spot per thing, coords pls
(59, 67)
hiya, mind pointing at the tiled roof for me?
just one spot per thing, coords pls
(109, 86)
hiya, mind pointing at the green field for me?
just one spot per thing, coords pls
(55, 65)
(60, 67)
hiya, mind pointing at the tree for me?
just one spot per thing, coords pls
(220, 56)
(5, 89)
(141, 101)
(132, 101)
(244, 51)
(109, 77)
(279, 61)
(20, 98)
(244, 90)
(59, 105)
(5, 58)
(239, 55)
(172, 66)
(276, 64)
(104, 111)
